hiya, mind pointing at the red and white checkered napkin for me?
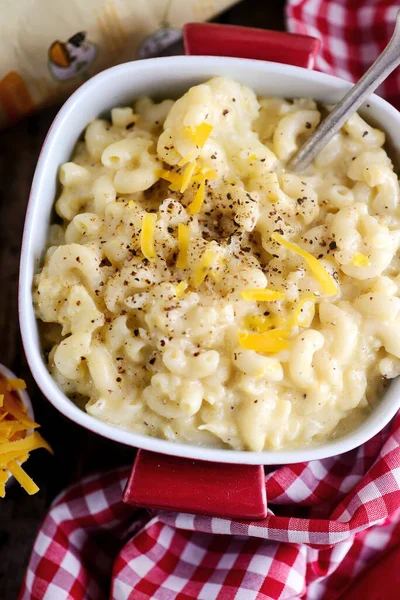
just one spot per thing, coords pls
(327, 520)
(352, 32)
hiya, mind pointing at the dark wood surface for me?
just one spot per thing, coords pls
(77, 451)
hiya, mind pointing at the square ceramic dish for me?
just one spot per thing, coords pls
(165, 78)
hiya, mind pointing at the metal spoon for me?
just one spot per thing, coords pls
(376, 74)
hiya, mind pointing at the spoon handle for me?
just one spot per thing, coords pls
(348, 105)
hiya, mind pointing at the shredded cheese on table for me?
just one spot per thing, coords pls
(320, 273)
(16, 384)
(16, 437)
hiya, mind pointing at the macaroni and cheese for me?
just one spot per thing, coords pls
(196, 290)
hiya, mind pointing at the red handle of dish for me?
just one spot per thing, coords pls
(195, 486)
(212, 39)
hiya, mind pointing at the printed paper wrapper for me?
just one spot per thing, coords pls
(48, 49)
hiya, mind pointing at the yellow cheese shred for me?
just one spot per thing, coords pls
(16, 439)
(185, 160)
(320, 273)
(187, 176)
(180, 288)
(6, 458)
(3, 481)
(360, 260)
(304, 311)
(269, 342)
(13, 408)
(147, 236)
(199, 134)
(23, 478)
(259, 323)
(195, 206)
(16, 385)
(209, 173)
(201, 271)
(32, 442)
(262, 295)
(175, 179)
(183, 240)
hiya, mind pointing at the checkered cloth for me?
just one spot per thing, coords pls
(327, 519)
(352, 32)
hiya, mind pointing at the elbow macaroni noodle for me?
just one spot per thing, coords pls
(203, 293)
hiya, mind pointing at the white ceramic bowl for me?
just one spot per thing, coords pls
(163, 78)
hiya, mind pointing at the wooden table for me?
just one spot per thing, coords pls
(77, 451)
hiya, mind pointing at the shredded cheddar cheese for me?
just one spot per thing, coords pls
(268, 342)
(259, 323)
(187, 176)
(199, 134)
(360, 260)
(204, 266)
(183, 240)
(16, 437)
(320, 273)
(185, 160)
(181, 288)
(23, 478)
(147, 236)
(196, 205)
(175, 179)
(209, 173)
(262, 295)
(304, 311)
(16, 384)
